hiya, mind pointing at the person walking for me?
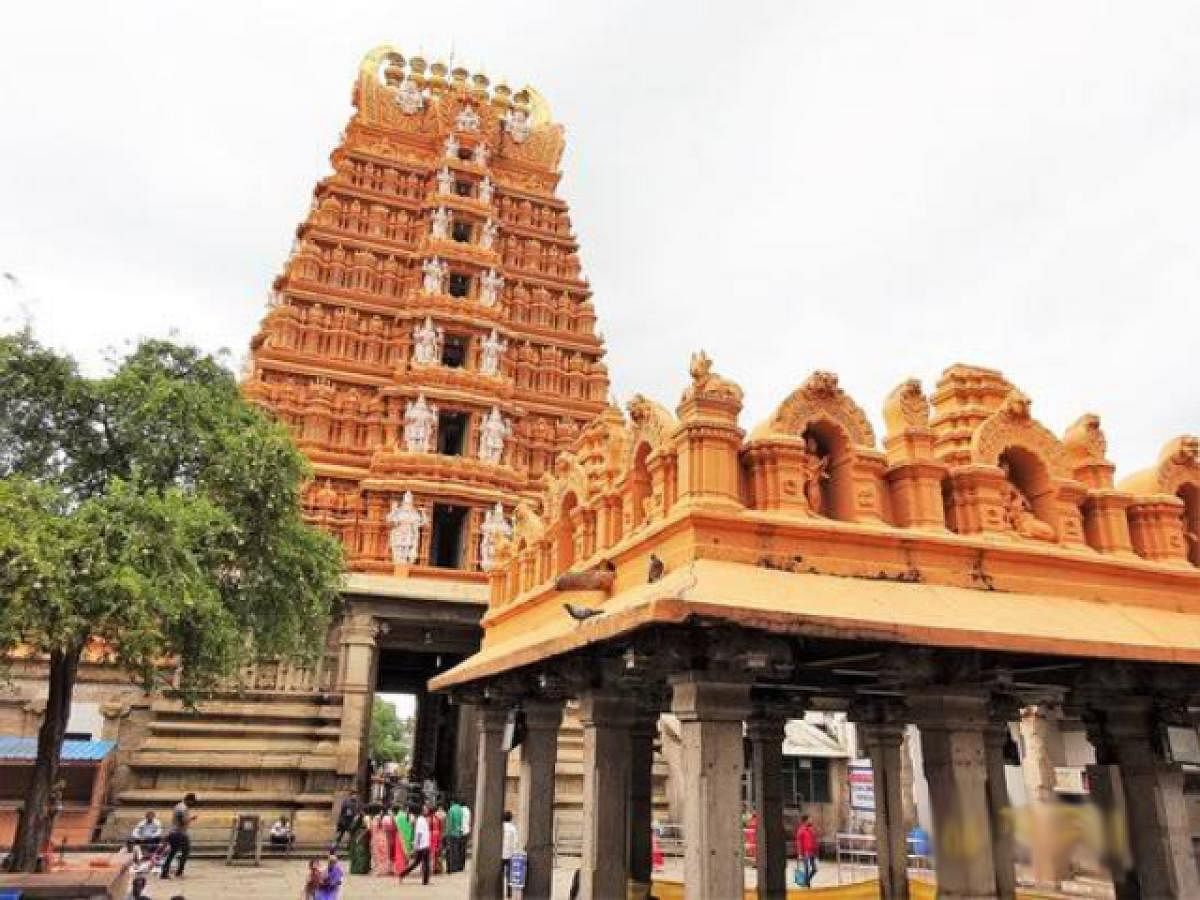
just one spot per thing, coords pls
(360, 845)
(436, 819)
(422, 838)
(507, 848)
(807, 847)
(381, 851)
(347, 816)
(178, 839)
(331, 884)
(455, 851)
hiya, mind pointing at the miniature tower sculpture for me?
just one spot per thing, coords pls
(431, 332)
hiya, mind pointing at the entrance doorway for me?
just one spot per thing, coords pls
(446, 537)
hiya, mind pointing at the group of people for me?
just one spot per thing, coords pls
(397, 840)
(151, 849)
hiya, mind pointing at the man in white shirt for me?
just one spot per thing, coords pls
(420, 855)
(507, 849)
(148, 832)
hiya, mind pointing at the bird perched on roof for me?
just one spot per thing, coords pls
(598, 578)
(657, 568)
(580, 613)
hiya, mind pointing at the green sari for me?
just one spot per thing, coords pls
(360, 847)
(404, 825)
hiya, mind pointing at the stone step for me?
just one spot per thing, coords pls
(246, 729)
(157, 798)
(175, 759)
(218, 745)
(251, 709)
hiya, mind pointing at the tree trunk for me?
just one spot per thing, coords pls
(37, 816)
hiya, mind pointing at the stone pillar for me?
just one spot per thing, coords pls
(710, 714)
(356, 683)
(535, 797)
(1104, 786)
(1154, 806)
(606, 717)
(1042, 742)
(466, 751)
(487, 833)
(765, 731)
(641, 802)
(1000, 813)
(952, 726)
(884, 744)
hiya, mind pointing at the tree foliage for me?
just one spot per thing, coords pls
(391, 736)
(153, 515)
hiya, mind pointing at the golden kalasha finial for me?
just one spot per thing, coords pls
(481, 85)
(393, 70)
(459, 76)
(502, 96)
(416, 66)
(437, 75)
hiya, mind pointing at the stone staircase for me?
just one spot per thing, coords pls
(256, 752)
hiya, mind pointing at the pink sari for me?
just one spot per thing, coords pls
(381, 859)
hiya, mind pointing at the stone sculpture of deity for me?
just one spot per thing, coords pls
(487, 235)
(404, 536)
(480, 154)
(489, 287)
(409, 97)
(1018, 511)
(427, 343)
(420, 419)
(467, 119)
(493, 349)
(517, 123)
(445, 181)
(495, 529)
(440, 224)
(815, 473)
(435, 272)
(492, 432)
(451, 151)
(485, 190)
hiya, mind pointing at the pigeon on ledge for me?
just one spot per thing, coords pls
(657, 568)
(580, 613)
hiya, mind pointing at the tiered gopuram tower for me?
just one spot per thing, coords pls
(432, 345)
(431, 334)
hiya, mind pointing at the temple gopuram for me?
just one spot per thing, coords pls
(972, 568)
(432, 345)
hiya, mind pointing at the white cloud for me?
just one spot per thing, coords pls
(877, 188)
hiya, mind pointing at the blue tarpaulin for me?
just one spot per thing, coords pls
(22, 748)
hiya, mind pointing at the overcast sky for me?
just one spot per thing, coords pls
(880, 189)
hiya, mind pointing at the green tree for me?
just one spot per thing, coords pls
(152, 515)
(391, 736)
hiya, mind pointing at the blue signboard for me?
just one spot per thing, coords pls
(516, 870)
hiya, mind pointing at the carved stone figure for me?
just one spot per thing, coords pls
(404, 536)
(815, 474)
(480, 155)
(409, 97)
(492, 432)
(434, 273)
(1018, 511)
(427, 343)
(440, 224)
(517, 124)
(489, 287)
(487, 235)
(419, 421)
(445, 181)
(493, 349)
(495, 530)
(485, 191)
(451, 151)
(467, 119)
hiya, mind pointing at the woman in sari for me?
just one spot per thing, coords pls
(360, 845)
(381, 860)
(435, 839)
(404, 836)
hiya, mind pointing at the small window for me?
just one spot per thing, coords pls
(452, 433)
(454, 351)
(462, 188)
(464, 153)
(446, 536)
(461, 232)
(460, 284)
(805, 780)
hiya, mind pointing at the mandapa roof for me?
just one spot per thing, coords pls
(23, 748)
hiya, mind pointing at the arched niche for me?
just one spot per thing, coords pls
(1189, 493)
(831, 473)
(1030, 475)
(640, 483)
